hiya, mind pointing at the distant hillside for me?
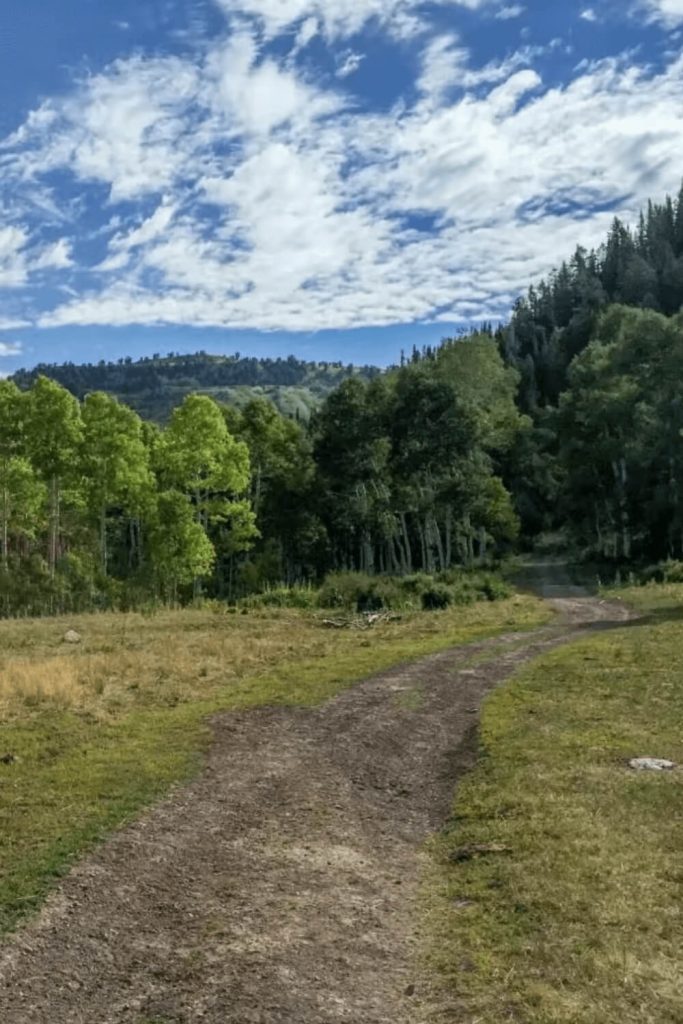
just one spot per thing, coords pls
(155, 385)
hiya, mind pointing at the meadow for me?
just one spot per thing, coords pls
(576, 918)
(97, 730)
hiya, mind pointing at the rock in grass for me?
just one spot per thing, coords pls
(651, 764)
(8, 759)
(72, 637)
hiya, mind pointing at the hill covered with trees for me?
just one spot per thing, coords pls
(155, 385)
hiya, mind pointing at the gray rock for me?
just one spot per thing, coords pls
(72, 637)
(651, 764)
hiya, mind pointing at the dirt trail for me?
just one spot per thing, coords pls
(280, 886)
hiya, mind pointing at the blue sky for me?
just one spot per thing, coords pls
(335, 178)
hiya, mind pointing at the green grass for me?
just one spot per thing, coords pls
(102, 729)
(580, 922)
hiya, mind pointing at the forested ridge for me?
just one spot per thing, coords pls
(569, 418)
(155, 385)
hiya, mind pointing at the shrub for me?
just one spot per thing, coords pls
(360, 592)
(455, 577)
(474, 585)
(356, 591)
(342, 589)
(283, 597)
(672, 572)
(495, 589)
(383, 592)
(437, 597)
(464, 593)
(208, 604)
(416, 584)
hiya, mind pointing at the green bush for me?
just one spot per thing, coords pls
(672, 572)
(342, 589)
(384, 592)
(455, 577)
(416, 584)
(363, 593)
(474, 585)
(283, 597)
(437, 597)
(357, 591)
(495, 589)
(464, 593)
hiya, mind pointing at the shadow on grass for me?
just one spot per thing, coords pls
(660, 616)
(657, 617)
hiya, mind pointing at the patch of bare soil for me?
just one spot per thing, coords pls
(281, 885)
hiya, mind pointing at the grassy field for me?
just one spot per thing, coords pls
(577, 918)
(100, 729)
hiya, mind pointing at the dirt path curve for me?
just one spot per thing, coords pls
(280, 886)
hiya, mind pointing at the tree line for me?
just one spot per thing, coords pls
(396, 474)
(126, 377)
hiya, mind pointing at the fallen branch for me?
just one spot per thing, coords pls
(362, 622)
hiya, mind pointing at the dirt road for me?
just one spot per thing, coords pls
(281, 885)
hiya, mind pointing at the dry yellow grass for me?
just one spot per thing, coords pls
(52, 681)
(129, 661)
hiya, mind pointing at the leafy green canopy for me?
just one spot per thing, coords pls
(97, 508)
(400, 474)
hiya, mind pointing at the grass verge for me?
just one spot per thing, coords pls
(576, 919)
(101, 729)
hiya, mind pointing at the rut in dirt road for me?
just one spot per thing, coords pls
(281, 885)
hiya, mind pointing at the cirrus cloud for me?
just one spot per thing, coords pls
(341, 18)
(670, 12)
(243, 191)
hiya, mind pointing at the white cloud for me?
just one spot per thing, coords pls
(588, 15)
(245, 194)
(13, 323)
(54, 257)
(122, 244)
(120, 129)
(13, 241)
(9, 348)
(670, 12)
(447, 65)
(257, 96)
(349, 64)
(443, 62)
(307, 32)
(339, 18)
(508, 13)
